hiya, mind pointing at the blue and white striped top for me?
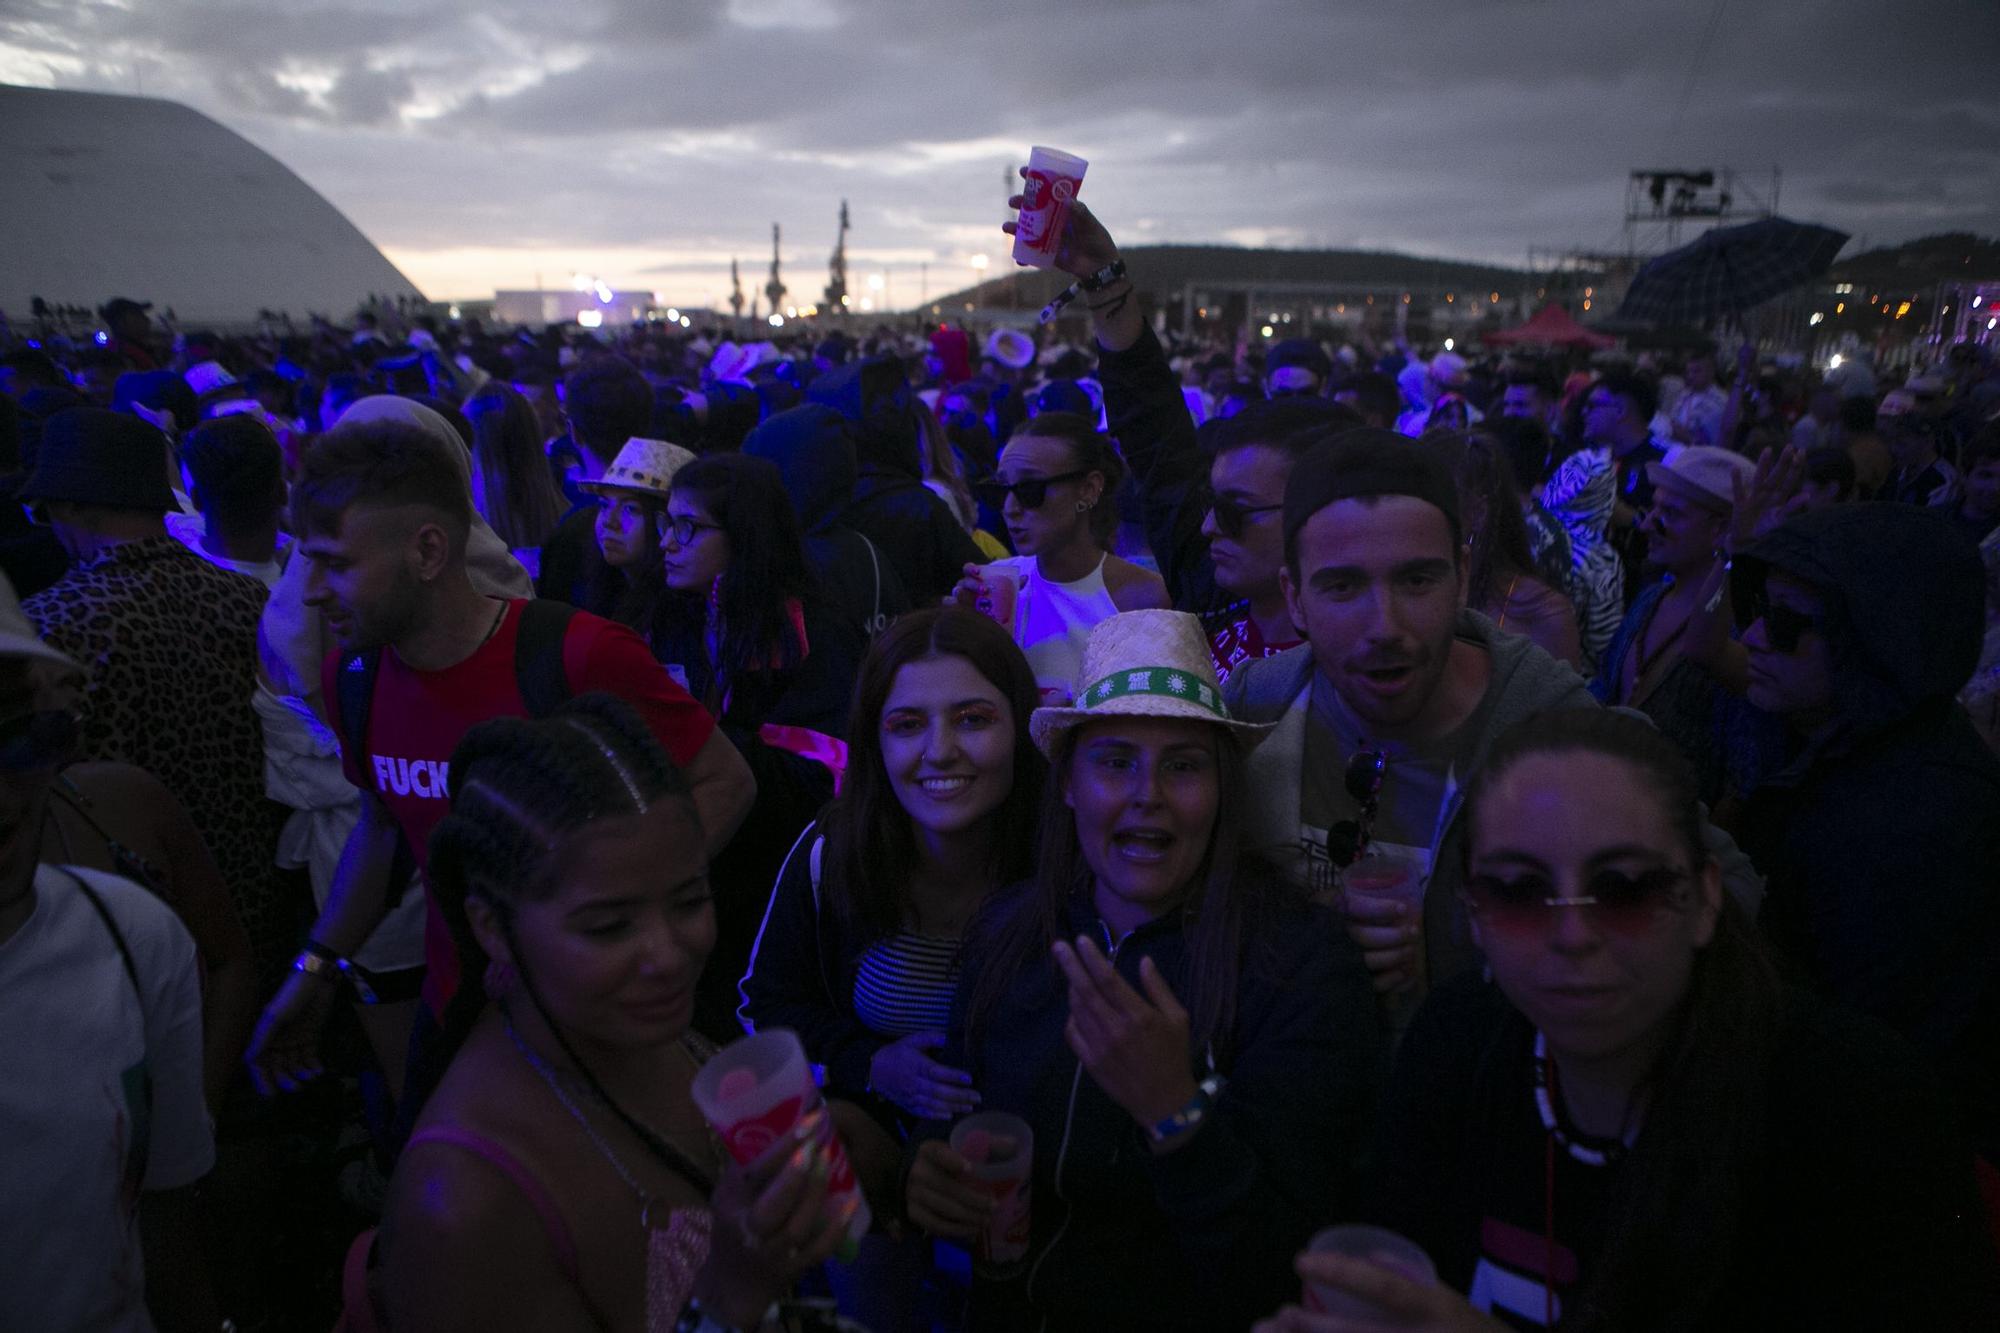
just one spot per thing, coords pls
(904, 983)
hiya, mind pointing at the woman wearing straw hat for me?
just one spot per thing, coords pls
(631, 523)
(1194, 1050)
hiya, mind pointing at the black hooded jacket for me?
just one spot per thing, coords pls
(892, 507)
(1881, 840)
(813, 448)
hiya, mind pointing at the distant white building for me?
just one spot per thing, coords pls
(103, 196)
(598, 308)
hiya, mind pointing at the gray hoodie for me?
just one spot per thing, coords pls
(1525, 681)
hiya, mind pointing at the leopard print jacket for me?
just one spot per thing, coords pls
(168, 645)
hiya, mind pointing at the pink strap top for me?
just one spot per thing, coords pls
(675, 1253)
(524, 1180)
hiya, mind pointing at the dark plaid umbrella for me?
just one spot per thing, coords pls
(1729, 270)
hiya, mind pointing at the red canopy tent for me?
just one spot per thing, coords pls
(1552, 326)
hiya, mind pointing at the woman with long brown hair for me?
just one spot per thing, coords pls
(512, 487)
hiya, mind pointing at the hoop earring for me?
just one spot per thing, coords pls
(1082, 508)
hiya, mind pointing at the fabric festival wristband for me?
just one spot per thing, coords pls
(1096, 282)
(1185, 1119)
(318, 962)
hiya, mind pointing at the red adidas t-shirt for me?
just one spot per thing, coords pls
(418, 718)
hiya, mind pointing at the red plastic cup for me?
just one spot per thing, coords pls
(1052, 181)
(755, 1090)
(999, 593)
(1001, 1150)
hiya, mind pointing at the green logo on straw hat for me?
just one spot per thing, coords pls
(1163, 682)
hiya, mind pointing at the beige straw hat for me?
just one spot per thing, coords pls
(647, 466)
(1144, 664)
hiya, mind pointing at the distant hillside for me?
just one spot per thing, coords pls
(1164, 269)
(1951, 257)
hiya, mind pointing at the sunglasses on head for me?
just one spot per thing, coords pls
(35, 741)
(1347, 840)
(1614, 902)
(1028, 492)
(1233, 516)
(1783, 626)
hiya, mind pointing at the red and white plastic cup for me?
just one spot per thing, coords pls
(1385, 873)
(755, 1090)
(1052, 181)
(1399, 1254)
(999, 593)
(1000, 1148)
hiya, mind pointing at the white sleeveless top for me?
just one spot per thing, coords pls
(1052, 622)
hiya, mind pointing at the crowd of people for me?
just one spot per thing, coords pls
(1546, 807)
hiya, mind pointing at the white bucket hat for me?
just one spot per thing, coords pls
(643, 465)
(1144, 664)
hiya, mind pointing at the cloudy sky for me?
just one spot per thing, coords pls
(480, 143)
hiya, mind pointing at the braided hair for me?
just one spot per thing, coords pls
(520, 789)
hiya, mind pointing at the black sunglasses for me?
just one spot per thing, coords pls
(35, 741)
(1232, 516)
(1029, 492)
(1783, 626)
(1347, 840)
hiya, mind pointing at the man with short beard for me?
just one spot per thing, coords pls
(1395, 666)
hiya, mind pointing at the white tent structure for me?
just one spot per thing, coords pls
(104, 196)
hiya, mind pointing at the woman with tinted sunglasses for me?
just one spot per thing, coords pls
(1053, 489)
(1634, 1124)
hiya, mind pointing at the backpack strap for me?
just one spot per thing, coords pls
(538, 655)
(142, 1120)
(96, 900)
(877, 622)
(353, 697)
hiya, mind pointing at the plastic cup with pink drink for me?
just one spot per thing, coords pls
(1399, 1254)
(1051, 183)
(1388, 872)
(754, 1091)
(999, 593)
(1000, 1149)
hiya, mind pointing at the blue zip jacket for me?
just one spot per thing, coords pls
(1202, 1237)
